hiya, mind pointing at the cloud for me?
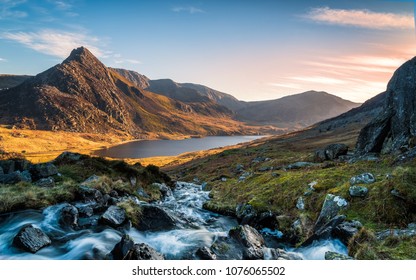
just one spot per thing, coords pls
(55, 42)
(8, 9)
(190, 9)
(361, 18)
(320, 80)
(2, 60)
(130, 61)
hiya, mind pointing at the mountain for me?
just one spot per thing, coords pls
(296, 111)
(9, 81)
(82, 95)
(137, 79)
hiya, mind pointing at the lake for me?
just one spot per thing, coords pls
(155, 148)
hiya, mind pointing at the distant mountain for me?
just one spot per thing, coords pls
(296, 111)
(81, 94)
(9, 81)
(137, 79)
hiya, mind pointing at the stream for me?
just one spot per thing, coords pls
(195, 227)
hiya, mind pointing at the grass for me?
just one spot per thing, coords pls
(133, 211)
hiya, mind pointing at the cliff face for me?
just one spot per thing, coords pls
(395, 128)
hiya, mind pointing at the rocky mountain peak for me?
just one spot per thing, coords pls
(80, 54)
(395, 129)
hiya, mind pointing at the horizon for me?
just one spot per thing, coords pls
(253, 51)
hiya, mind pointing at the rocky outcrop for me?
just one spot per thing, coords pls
(154, 218)
(143, 252)
(69, 216)
(114, 216)
(31, 239)
(43, 170)
(358, 191)
(205, 253)
(331, 152)
(252, 241)
(346, 230)
(330, 208)
(395, 129)
(121, 249)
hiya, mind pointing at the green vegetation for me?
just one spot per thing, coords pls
(133, 211)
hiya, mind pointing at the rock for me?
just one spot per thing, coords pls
(410, 231)
(113, 193)
(15, 177)
(396, 126)
(358, 191)
(122, 248)
(300, 204)
(69, 216)
(299, 165)
(325, 231)
(336, 256)
(223, 179)
(143, 252)
(365, 178)
(346, 230)
(331, 152)
(133, 181)
(91, 180)
(330, 208)
(31, 239)
(205, 253)
(280, 254)
(245, 213)
(239, 168)
(88, 194)
(43, 170)
(141, 192)
(265, 168)
(67, 157)
(8, 166)
(85, 211)
(114, 216)
(154, 218)
(258, 160)
(164, 189)
(46, 182)
(251, 239)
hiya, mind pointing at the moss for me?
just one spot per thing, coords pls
(133, 211)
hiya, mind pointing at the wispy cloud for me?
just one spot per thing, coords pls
(129, 61)
(2, 59)
(55, 42)
(320, 80)
(188, 9)
(8, 9)
(361, 18)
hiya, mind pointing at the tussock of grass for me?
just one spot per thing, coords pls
(133, 211)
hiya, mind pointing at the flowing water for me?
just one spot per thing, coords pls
(196, 227)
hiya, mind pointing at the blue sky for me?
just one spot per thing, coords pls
(254, 50)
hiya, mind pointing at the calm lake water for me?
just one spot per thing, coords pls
(155, 148)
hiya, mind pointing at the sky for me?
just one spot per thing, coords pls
(252, 49)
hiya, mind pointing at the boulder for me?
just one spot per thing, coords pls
(31, 239)
(365, 178)
(85, 211)
(87, 194)
(205, 253)
(346, 230)
(8, 166)
(67, 157)
(245, 213)
(336, 256)
(330, 208)
(46, 182)
(69, 216)
(395, 128)
(252, 241)
(326, 231)
(121, 249)
(280, 254)
(300, 203)
(114, 216)
(299, 165)
(164, 189)
(43, 170)
(331, 152)
(143, 252)
(15, 177)
(154, 218)
(358, 191)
